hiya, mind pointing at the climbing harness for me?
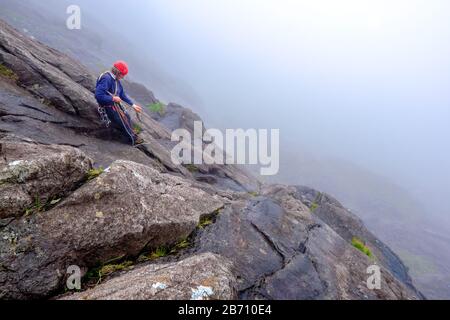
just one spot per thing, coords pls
(120, 111)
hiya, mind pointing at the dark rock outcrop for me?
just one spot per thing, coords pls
(140, 93)
(281, 250)
(49, 75)
(348, 226)
(177, 117)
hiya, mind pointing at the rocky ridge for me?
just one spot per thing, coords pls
(235, 237)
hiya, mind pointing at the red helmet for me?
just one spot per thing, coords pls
(122, 67)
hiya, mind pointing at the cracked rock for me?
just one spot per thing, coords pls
(281, 250)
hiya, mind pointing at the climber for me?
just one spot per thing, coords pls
(111, 97)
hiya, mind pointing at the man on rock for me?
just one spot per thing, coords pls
(110, 95)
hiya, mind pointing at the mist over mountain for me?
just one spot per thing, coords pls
(97, 44)
(388, 210)
(358, 90)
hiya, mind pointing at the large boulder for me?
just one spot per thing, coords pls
(200, 277)
(33, 174)
(126, 209)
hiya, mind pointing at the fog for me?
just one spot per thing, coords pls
(365, 81)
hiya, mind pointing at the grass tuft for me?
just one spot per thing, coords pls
(137, 128)
(314, 206)
(159, 252)
(204, 222)
(39, 206)
(158, 107)
(361, 246)
(8, 73)
(316, 202)
(94, 173)
(191, 167)
(97, 274)
(183, 244)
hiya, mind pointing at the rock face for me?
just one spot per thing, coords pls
(200, 277)
(177, 117)
(281, 250)
(267, 242)
(348, 226)
(141, 94)
(51, 76)
(31, 173)
(126, 209)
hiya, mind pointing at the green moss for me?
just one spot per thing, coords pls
(192, 168)
(361, 246)
(94, 173)
(183, 244)
(35, 208)
(157, 108)
(137, 129)
(208, 219)
(160, 252)
(111, 268)
(204, 222)
(97, 274)
(8, 73)
(253, 193)
(314, 206)
(39, 206)
(315, 203)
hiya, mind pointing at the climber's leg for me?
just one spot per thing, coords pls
(122, 121)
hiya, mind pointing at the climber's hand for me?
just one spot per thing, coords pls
(117, 99)
(137, 108)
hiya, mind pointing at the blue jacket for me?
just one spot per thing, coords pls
(106, 83)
